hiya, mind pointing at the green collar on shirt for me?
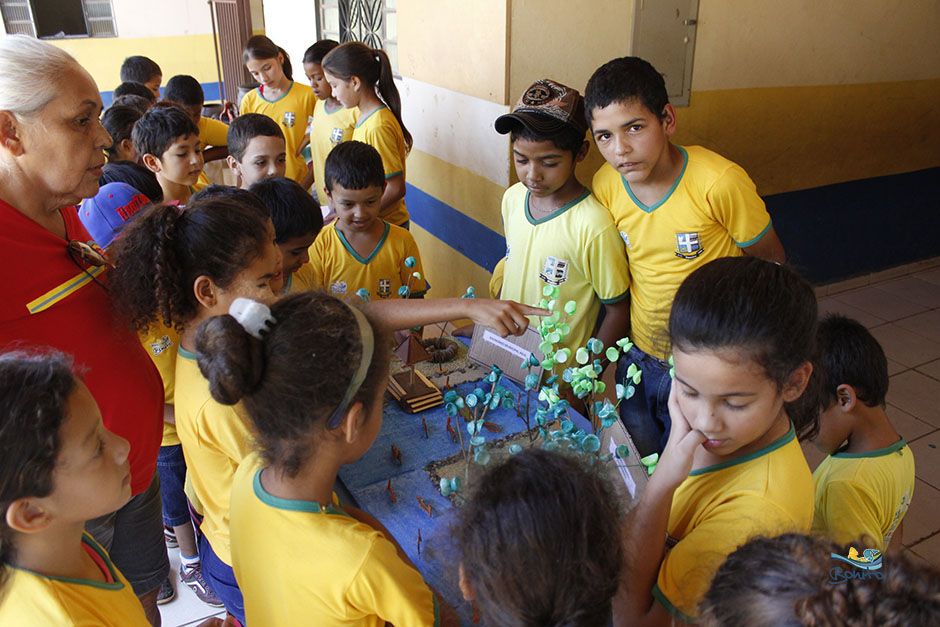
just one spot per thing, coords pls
(185, 354)
(894, 448)
(554, 214)
(87, 540)
(291, 505)
(362, 120)
(652, 208)
(261, 93)
(773, 446)
(375, 251)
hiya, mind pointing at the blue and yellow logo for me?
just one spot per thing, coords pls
(864, 565)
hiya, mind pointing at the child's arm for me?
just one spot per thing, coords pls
(768, 247)
(394, 191)
(644, 531)
(169, 413)
(503, 316)
(616, 322)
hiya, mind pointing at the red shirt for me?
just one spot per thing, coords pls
(46, 299)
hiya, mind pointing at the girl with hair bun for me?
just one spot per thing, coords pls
(360, 76)
(59, 467)
(288, 103)
(306, 428)
(742, 332)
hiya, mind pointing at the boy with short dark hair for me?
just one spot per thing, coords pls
(257, 149)
(167, 141)
(864, 486)
(557, 234)
(297, 221)
(185, 91)
(133, 88)
(676, 208)
(332, 123)
(359, 250)
(143, 70)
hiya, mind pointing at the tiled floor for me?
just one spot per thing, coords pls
(904, 314)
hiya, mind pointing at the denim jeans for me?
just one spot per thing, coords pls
(646, 414)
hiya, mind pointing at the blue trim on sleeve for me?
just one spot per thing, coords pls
(753, 241)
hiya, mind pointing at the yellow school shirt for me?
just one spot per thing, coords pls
(382, 131)
(293, 111)
(330, 128)
(215, 438)
(160, 342)
(576, 249)
(718, 508)
(28, 598)
(864, 493)
(211, 133)
(303, 279)
(712, 211)
(338, 267)
(299, 563)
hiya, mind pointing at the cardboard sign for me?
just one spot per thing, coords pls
(633, 475)
(488, 349)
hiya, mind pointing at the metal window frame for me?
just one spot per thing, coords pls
(88, 21)
(323, 5)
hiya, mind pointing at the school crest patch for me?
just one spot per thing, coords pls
(289, 119)
(554, 271)
(338, 287)
(688, 245)
(161, 345)
(385, 288)
(336, 136)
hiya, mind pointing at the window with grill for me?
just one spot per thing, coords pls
(373, 22)
(56, 19)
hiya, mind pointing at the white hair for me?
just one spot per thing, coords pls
(30, 73)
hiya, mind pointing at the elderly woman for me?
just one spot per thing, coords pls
(54, 286)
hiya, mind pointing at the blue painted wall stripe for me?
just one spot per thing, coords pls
(209, 90)
(479, 243)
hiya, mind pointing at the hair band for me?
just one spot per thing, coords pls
(254, 317)
(367, 339)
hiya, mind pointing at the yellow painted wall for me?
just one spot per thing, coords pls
(455, 44)
(182, 54)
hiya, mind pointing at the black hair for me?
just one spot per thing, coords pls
(185, 90)
(294, 211)
(34, 393)
(792, 580)
(317, 51)
(374, 69)
(246, 127)
(314, 334)
(119, 121)
(622, 80)
(568, 138)
(157, 129)
(135, 175)
(353, 165)
(137, 102)
(753, 305)
(848, 353)
(161, 253)
(260, 47)
(133, 88)
(140, 69)
(540, 542)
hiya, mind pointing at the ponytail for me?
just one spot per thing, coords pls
(374, 69)
(161, 253)
(260, 47)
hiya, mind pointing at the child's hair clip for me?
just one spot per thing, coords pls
(254, 317)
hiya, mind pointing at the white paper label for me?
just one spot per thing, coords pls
(624, 470)
(506, 345)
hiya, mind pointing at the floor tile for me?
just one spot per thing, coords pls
(926, 324)
(893, 273)
(929, 549)
(931, 369)
(186, 608)
(894, 367)
(909, 427)
(849, 284)
(927, 458)
(917, 394)
(880, 303)
(913, 289)
(905, 347)
(931, 276)
(813, 455)
(831, 305)
(923, 516)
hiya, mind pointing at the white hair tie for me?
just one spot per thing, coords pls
(254, 317)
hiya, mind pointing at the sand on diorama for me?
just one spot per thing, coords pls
(455, 370)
